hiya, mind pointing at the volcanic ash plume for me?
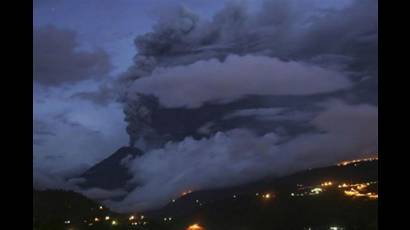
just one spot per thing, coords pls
(344, 39)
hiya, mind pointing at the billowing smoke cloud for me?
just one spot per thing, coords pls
(239, 156)
(196, 82)
(341, 41)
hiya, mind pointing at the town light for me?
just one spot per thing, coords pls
(195, 227)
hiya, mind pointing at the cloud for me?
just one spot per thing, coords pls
(40, 131)
(238, 156)
(41, 128)
(76, 141)
(58, 60)
(298, 30)
(104, 95)
(204, 81)
(44, 178)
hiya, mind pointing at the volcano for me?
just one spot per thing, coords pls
(112, 172)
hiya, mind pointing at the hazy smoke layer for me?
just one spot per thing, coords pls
(204, 81)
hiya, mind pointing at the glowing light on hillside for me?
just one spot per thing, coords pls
(107, 218)
(114, 222)
(354, 192)
(67, 222)
(267, 196)
(335, 228)
(373, 196)
(186, 193)
(101, 207)
(195, 227)
(131, 218)
(361, 186)
(96, 219)
(344, 163)
(316, 190)
(327, 184)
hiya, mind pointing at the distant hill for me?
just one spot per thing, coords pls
(366, 171)
(242, 207)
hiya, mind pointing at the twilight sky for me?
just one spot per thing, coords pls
(295, 81)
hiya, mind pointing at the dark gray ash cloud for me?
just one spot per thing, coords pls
(343, 41)
(58, 59)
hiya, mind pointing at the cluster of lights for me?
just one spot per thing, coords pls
(326, 184)
(344, 163)
(167, 219)
(354, 192)
(359, 186)
(133, 219)
(353, 189)
(265, 196)
(139, 223)
(314, 190)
